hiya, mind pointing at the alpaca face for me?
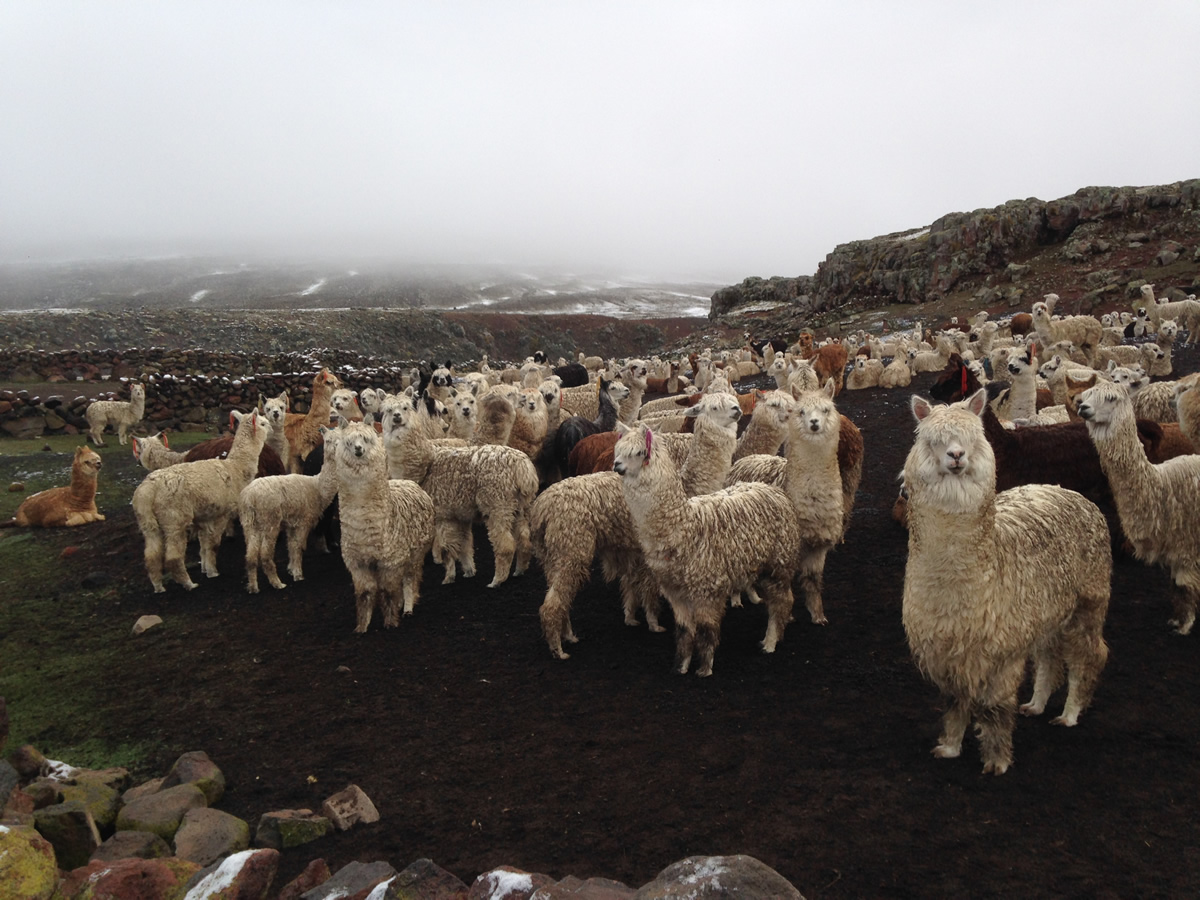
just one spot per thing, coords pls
(722, 410)
(275, 410)
(1132, 377)
(398, 412)
(441, 377)
(1103, 406)
(357, 448)
(342, 405)
(951, 464)
(462, 406)
(137, 392)
(89, 461)
(617, 391)
(633, 452)
(814, 416)
(1167, 329)
(776, 405)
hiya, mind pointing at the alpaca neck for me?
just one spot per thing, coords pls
(1023, 396)
(631, 404)
(709, 458)
(137, 405)
(1131, 476)
(656, 500)
(321, 405)
(367, 488)
(952, 546)
(327, 480)
(416, 455)
(243, 453)
(83, 482)
(607, 418)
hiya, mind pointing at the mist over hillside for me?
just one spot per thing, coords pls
(211, 283)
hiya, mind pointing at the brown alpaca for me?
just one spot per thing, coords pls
(304, 432)
(74, 505)
(830, 362)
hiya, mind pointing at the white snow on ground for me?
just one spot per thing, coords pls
(313, 288)
(199, 295)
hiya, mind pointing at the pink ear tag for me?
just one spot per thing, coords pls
(649, 440)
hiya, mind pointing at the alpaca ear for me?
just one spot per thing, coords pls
(234, 418)
(692, 412)
(622, 428)
(977, 401)
(830, 388)
(921, 407)
(137, 449)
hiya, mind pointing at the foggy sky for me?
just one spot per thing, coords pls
(712, 140)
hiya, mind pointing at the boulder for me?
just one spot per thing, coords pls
(128, 879)
(243, 876)
(27, 760)
(132, 845)
(161, 813)
(315, 874)
(3, 716)
(353, 878)
(98, 796)
(10, 778)
(196, 768)
(425, 880)
(72, 831)
(348, 807)
(507, 883)
(714, 877)
(28, 870)
(153, 786)
(145, 623)
(206, 835)
(25, 428)
(571, 888)
(287, 828)
(18, 808)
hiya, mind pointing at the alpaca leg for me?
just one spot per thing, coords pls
(450, 537)
(685, 640)
(996, 724)
(154, 559)
(779, 611)
(646, 596)
(1086, 655)
(267, 557)
(708, 635)
(390, 603)
(210, 539)
(467, 554)
(811, 575)
(504, 547)
(954, 726)
(176, 549)
(1047, 676)
(253, 551)
(555, 613)
(412, 587)
(364, 602)
(122, 434)
(1184, 602)
(297, 540)
(524, 542)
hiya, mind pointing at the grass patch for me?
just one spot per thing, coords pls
(57, 639)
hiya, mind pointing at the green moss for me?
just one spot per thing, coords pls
(27, 866)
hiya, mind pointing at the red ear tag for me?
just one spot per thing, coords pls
(165, 444)
(649, 439)
(964, 386)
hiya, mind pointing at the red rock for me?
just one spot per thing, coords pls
(68, 552)
(314, 875)
(128, 879)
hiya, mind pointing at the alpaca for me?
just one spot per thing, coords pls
(154, 452)
(1084, 331)
(293, 502)
(574, 429)
(896, 373)
(802, 377)
(304, 431)
(497, 483)
(72, 505)
(812, 478)
(830, 362)
(344, 407)
(865, 374)
(529, 428)
(494, 420)
(993, 580)
(387, 526)
(1159, 505)
(703, 550)
(1167, 331)
(768, 426)
(1187, 407)
(369, 401)
(203, 496)
(463, 414)
(275, 410)
(121, 415)
(1020, 403)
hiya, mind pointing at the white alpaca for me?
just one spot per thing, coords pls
(120, 414)
(275, 409)
(497, 483)
(201, 495)
(1159, 505)
(993, 580)
(154, 452)
(292, 502)
(387, 527)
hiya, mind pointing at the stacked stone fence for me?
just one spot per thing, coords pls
(186, 390)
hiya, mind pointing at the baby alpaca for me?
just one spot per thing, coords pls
(73, 505)
(120, 414)
(995, 579)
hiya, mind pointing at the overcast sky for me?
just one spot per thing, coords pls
(714, 140)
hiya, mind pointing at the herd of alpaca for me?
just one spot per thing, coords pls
(707, 495)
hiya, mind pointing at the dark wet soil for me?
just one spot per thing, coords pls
(479, 749)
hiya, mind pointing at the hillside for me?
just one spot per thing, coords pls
(1094, 248)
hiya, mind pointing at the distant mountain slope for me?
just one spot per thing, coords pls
(1089, 247)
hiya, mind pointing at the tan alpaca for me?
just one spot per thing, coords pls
(120, 414)
(304, 432)
(74, 505)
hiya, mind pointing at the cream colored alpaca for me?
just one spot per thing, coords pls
(1085, 332)
(768, 425)
(275, 410)
(201, 495)
(1159, 505)
(1187, 407)
(120, 414)
(993, 580)
(703, 550)
(496, 483)
(292, 502)
(896, 373)
(387, 527)
(865, 374)
(812, 479)
(154, 452)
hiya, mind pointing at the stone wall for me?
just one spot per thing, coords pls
(186, 390)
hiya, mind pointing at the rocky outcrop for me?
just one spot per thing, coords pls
(924, 264)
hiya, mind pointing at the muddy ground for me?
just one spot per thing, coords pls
(479, 749)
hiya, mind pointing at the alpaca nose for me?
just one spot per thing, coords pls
(956, 455)
(619, 467)
(1084, 410)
